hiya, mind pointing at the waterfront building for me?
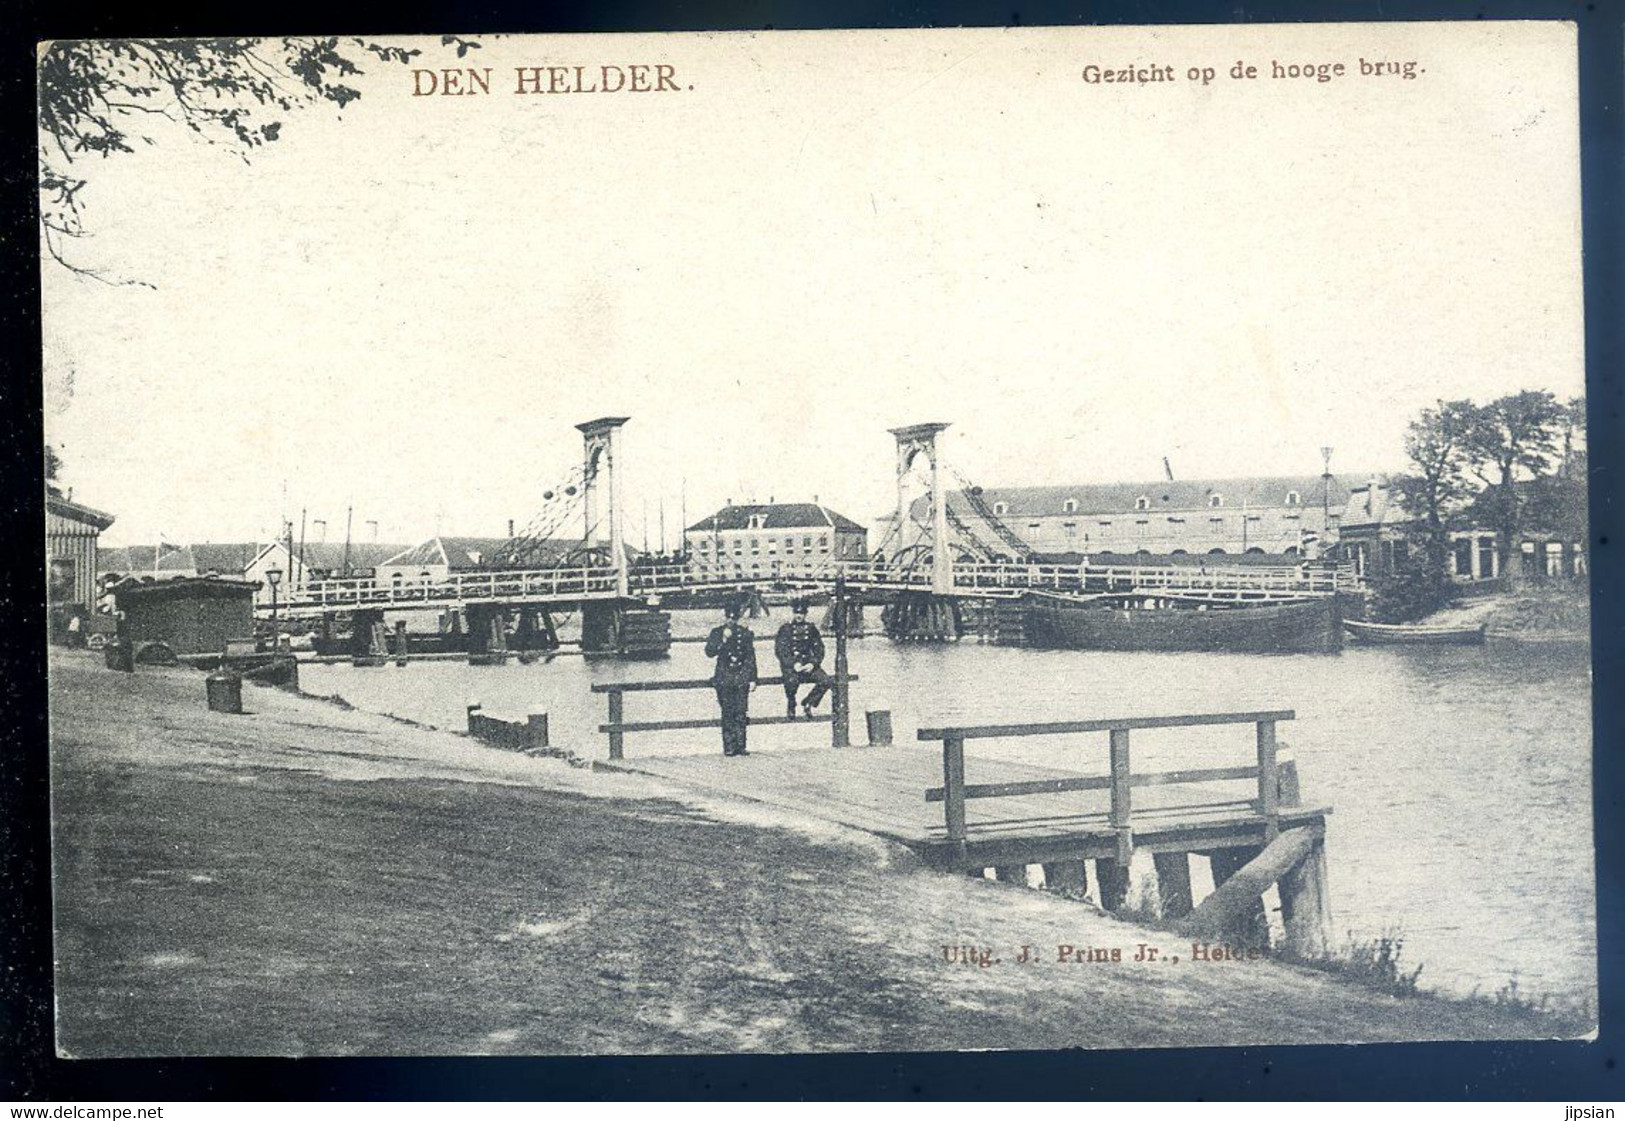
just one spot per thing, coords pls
(1281, 515)
(1377, 537)
(71, 532)
(773, 540)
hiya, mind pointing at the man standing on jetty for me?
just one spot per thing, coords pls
(734, 648)
(800, 650)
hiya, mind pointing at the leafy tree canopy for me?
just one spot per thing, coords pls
(98, 99)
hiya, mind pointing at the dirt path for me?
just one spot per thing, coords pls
(307, 880)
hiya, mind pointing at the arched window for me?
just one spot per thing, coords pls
(1001, 507)
(1290, 551)
(1070, 506)
(1215, 552)
(1293, 498)
(397, 578)
(1177, 553)
(1215, 500)
(1142, 503)
(1255, 549)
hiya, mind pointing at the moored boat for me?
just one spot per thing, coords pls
(1413, 634)
(1304, 626)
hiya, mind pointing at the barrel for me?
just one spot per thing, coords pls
(225, 690)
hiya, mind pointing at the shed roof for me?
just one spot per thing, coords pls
(64, 507)
(138, 589)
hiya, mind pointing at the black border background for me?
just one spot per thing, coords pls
(1573, 1072)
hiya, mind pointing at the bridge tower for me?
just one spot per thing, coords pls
(602, 496)
(913, 441)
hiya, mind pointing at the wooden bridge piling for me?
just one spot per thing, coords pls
(1247, 923)
(1113, 878)
(1173, 883)
(1067, 877)
(877, 722)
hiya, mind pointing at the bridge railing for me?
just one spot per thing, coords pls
(350, 593)
(1121, 779)
(356, 592)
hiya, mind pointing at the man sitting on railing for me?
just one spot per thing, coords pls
(734, 648)
(800, 650)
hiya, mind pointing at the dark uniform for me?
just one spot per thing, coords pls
(800, 645)
(734, 648)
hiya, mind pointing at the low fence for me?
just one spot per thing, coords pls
(529, 734)
(617, 727)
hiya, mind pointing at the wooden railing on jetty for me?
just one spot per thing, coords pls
(617, 726)
(955, 791)
(1251, 843)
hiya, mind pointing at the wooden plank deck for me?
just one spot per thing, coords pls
(882, 790)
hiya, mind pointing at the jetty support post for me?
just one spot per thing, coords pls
(840, 731)
(473, 716)
(1268, 781)
(953, 787)
(617, 738)
(1011, 874)
(878, 722)
(1306, 907)
(400, 642)
(1121, 800)
(536, 730)
(1067, 877)
(1173, 883)
(1113, 877)
(1247, 923)
(1235, 909)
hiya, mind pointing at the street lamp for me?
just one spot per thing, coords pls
(273, 577)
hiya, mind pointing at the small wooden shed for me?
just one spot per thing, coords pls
(189, 615)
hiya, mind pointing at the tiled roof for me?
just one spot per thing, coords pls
(781, 515)
(224, 559)
(1164, 495)
(329, 555)
(460, 554)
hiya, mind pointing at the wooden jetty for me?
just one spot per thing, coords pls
(968, 813)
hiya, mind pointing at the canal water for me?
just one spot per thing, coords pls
(1460, 778)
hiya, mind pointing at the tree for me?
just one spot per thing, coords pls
(1519, 432)
(1574, 463)
(98, 99)
(1436, 443)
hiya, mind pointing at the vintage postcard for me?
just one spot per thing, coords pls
(817, 541)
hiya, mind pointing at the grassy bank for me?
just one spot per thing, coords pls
(1531, 611)
(310, 880)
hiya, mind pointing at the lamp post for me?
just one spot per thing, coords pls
(273, 577)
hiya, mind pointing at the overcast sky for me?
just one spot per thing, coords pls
(408, 306)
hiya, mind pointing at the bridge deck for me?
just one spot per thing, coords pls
(881, 790)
